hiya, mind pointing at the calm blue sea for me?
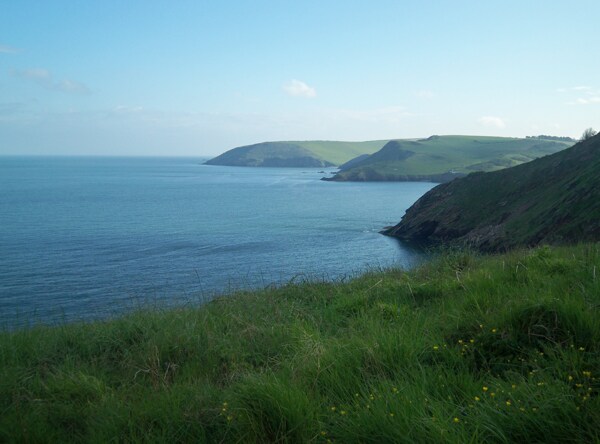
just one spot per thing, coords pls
(89, 237)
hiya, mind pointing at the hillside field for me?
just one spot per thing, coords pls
(314, 153)
(443, 158)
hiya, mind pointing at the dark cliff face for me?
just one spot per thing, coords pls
(554, 199)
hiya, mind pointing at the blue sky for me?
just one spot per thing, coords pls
(200, 77)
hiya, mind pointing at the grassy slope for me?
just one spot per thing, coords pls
(552, 199)
(437, 155)
(463, 349)
(328, 152)
(341, 152)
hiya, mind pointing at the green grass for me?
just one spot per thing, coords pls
(341, 152)
(438, 155)
(466, 348)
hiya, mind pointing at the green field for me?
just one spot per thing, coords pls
(314, 153)
(442, 158)
(495, 349)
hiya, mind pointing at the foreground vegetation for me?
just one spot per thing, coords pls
(463, 349)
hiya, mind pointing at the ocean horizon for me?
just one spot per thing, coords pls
(92, 237)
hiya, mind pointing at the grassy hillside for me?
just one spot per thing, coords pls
(443, 158)
(464, 349)
(314, 153)
(554, 199)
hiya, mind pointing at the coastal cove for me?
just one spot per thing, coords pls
(89, 237)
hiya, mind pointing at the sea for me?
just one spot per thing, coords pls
(86, 238)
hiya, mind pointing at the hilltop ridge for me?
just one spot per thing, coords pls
(444, 158)
(306, 154)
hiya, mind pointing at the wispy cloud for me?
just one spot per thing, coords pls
(586, 100)
(123, 109)
(44, 78)
(387, 114)
(37, 74)
(574, 88)
(5, 49)
(492, 121)
(582, 95)
(425, 94)
(298, 88)
(11, 108)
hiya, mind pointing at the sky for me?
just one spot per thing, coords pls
(196, 78)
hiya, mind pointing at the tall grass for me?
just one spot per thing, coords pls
(463, 349)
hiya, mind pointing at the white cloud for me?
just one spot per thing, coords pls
(491, 121)
(44, 78)
(299, 89)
